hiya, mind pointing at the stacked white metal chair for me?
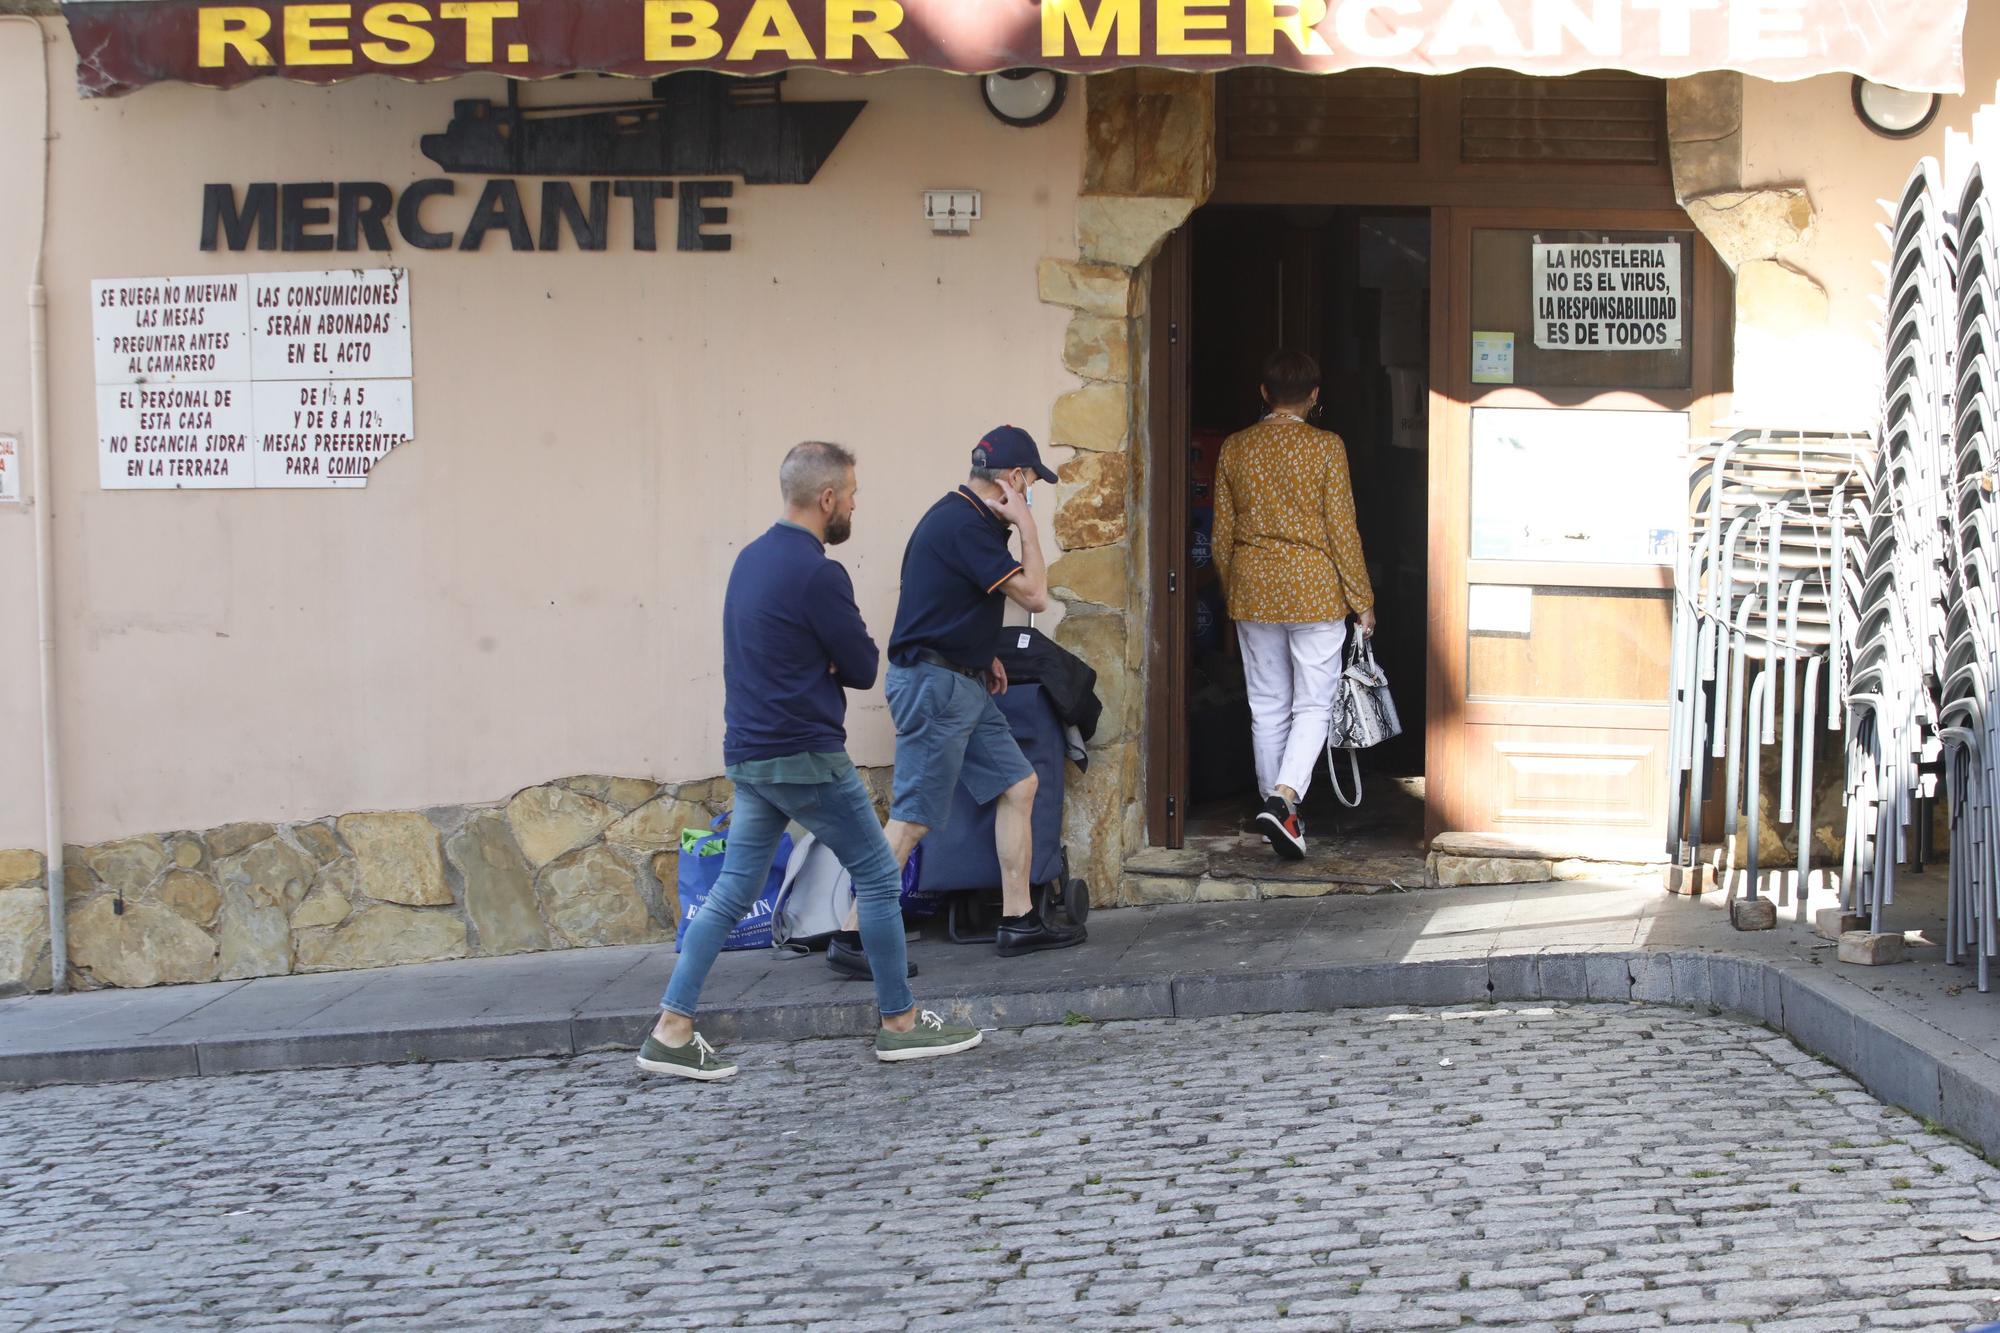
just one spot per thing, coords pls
(1891, 610)
(1753, 633)
(1872, 569)
(1969, 516)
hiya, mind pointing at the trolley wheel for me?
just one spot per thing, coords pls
(1076, 901)
(1049, 902)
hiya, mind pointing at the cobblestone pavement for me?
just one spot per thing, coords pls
(1596, 1167)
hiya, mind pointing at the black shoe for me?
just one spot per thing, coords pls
(1285, 830)
(851, 961)
(1031, 934)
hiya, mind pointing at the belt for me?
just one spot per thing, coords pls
(930, 658)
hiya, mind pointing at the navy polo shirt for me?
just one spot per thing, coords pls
(953, 567)
(793, 643)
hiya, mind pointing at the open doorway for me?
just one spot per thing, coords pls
(1351, 287)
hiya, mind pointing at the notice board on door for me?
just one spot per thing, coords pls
(1606, 297)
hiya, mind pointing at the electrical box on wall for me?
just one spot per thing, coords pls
(951, 212)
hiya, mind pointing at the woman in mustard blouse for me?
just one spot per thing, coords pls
(1290, 559)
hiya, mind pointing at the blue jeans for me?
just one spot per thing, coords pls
(840, 815)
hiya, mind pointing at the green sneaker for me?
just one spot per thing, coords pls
(931, 1036)
(697, 1059)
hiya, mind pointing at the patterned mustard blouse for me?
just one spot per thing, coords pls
(1285, 542)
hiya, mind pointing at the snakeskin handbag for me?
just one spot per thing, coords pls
(1364, 714)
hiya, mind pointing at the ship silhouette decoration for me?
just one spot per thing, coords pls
(695, 124)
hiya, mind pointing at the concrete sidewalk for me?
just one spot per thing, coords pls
(1918, 1033)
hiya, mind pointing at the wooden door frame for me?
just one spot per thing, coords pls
(1167, 563)
(1170, 604)
(1166, 469)
(1450, 714)
(1438, 174)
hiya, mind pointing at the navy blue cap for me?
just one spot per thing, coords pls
(1008, 447)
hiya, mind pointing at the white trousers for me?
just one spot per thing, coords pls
(1292, 672)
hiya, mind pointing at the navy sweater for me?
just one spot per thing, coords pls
(793, 643)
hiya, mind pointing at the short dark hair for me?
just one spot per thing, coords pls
(810, 468)
(1289, 376)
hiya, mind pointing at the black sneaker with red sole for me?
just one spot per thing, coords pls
(1283, 828)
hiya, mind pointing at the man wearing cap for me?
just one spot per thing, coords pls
(958, 576)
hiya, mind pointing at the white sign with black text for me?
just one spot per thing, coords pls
(349, 324)
(171, 330)
(1606, 297)
(174, 437)
(328, 432)
(260, 380)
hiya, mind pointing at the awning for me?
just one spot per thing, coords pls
(127, 44)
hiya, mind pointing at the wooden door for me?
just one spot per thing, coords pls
(1558, 502)
(1169, 561)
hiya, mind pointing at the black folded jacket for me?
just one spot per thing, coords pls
(1068, 680)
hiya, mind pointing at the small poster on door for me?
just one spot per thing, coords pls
(1502, 610)
(1607, 297)
(1492, 358)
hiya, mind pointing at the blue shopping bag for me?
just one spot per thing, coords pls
(701, 866)
(915, 901)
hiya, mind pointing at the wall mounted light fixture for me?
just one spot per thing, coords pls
(1024, 97)
(1894, 113)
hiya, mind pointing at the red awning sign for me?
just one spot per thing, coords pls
(127, 44)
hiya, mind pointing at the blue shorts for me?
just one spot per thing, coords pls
(948, 730)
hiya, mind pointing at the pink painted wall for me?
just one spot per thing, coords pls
(20, 177)
(531, 588)
(1808, 132)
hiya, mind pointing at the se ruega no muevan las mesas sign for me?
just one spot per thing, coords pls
(127, 44)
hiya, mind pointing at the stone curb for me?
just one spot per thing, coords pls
(1898, 1058)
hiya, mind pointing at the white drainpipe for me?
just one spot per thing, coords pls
(43, 501)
